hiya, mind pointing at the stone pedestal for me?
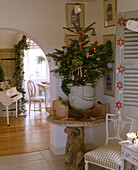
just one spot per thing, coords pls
(74, 153)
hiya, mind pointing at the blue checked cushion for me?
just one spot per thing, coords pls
(107, 155)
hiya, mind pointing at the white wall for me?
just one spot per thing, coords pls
(126, 5)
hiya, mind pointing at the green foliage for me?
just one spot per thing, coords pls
(40, 59)
(1, 74)
(80, 64)
(19, 73)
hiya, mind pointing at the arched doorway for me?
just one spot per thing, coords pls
(28, 132)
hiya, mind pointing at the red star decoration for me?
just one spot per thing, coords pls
(120, 42)
(121, 69)
(121, 21)
(120, 85)
(118, 105)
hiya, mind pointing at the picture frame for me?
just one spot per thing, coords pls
(71, 17)
(109, 78)
(69, 37)
(110, 8)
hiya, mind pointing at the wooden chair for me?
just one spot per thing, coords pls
(109, 155)
(32, 95)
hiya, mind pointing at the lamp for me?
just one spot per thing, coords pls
(132, 25)
(77, 9)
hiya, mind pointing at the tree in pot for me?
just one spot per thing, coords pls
(81, 64)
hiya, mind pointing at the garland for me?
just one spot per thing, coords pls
(19, 72)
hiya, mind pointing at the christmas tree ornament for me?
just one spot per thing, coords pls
(87, 55)
(93, 33)
(110, 65)
(77, 9)
(49, 60)
(74, 30)
(120, 42)
(121, 69)
(65, 51)
(120, 85)
(118, 105)
(121, 21)
(80, 44)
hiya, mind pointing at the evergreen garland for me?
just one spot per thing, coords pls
(80, 64)
(19, 71)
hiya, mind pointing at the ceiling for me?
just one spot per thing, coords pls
(8, 38)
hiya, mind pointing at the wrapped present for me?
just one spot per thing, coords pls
(60, 107)
(103, 108)
(51, 111)
(62, 110)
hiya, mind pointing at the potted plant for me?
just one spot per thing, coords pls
(81, 64)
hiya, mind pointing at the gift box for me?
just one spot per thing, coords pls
(103, 108)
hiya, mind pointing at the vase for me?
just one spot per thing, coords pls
(81, 97)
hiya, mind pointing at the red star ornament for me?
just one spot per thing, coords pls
(121, 69)
(118, 105)
(120, 85)
(121, 21)
(120, 42)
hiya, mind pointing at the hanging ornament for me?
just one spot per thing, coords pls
(118, 105)
(65, 51)
(74, 30)
(120, 85)
(93, 33)
(49, 60)
(72, 77)
(80, 44)
(79, 71)
(121, 21)
(109, 65)
(121, 69)
(55, 74)
(120, 42)
(87, 55)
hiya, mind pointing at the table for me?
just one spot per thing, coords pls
(75, 147)
(129, 152)
(46, 89)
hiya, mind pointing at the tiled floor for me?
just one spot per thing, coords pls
(43, 160)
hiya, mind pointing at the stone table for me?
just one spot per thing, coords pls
(75, 147)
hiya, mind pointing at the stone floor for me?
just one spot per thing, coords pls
(43, 160)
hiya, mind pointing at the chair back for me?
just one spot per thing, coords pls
(117, 127)
(31, 89)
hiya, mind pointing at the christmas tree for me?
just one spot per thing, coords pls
(81, 63)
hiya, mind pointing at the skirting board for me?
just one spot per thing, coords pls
(57, 151)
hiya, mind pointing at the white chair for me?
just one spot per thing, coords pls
(109, 155)
(33, 97)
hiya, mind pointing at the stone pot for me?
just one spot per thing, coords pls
(81, 97)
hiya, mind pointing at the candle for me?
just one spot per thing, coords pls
(131, 137)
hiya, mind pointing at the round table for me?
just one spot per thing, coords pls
(75, 148)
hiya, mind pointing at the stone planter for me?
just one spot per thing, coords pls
(81, 97)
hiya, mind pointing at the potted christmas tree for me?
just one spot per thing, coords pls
(80, 64)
